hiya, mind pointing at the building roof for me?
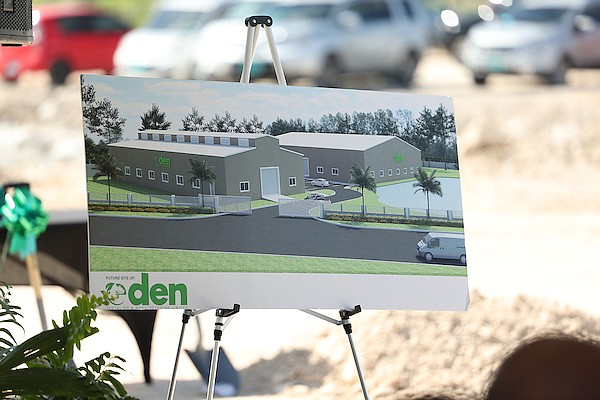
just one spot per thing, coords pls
(200, 149)
(333, 140)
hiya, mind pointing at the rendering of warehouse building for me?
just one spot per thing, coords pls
(252, 165)
(332, 155)
(259, 165)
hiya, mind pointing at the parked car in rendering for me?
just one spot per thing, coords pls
(315, 196)
(67, 37)
(544, 41)
(321, 182)
(319, 39)
(161, 47)
(443, 245)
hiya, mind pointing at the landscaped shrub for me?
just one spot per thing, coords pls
(150, 208)
(392, 219)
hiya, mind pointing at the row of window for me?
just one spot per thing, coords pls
(224, 141)
(336, 171)
(179, 180)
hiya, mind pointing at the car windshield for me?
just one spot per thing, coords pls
(535, 15)
(301, 12)
(172, 19)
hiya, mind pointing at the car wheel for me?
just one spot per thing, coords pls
(558, 76)
(463, 259)
(428, 257)
(59, 71)
(406, 69)
(331, 74)
(479, 79)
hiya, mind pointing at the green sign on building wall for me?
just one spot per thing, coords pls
(163, 161)
(398, 158)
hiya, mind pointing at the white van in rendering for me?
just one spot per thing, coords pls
(443, 245)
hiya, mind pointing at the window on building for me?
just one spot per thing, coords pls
(179, 179)
(138, 172)
(405, 171)
(225, 141)
(151, 175)
(390, 173)
(168, 138)
(144, 136)
(335, 171)
(195, 139)
(196, 183)
(209, 140)
(164, 176)
(320, 170)
(127, 170)
(244, 142)
(372, 174)
(155, 136)
(244, 186)
(412, 170)
(181, 138)
(397, 171)
(381, 173)
(292, 180)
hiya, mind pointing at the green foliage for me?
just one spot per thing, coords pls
(149, 209)
(392, 219)
(41, 366)
(154, 119)
(363, 180)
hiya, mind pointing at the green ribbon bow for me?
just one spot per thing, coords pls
(22, 215)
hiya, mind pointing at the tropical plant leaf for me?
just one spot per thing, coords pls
(34, 347)
(47, 382)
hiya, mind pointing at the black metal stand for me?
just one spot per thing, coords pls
(345, 322)
(223, 318)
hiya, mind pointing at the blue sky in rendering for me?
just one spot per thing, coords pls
(134, 96)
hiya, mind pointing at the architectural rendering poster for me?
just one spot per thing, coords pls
(207, 194)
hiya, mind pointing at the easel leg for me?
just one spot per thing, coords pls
(345, 322)
(187, 314)
(345, 316)
(220, 325)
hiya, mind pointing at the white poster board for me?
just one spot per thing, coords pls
(224, 193)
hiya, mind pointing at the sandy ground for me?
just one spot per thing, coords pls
(529, 159)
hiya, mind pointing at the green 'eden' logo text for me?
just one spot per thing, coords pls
(163, 161)
(144, 294)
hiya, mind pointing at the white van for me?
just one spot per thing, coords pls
(443, 245)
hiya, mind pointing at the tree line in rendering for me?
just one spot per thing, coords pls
(433, 131)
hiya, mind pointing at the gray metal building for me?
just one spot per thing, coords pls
(252, 165)
(331, 155)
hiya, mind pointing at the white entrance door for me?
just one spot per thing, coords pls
(306, 167)
(269, 183)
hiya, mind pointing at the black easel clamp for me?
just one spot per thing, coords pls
(256, 20)
(345, 316)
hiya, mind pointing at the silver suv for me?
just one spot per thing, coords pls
(320, 39)
(545, 41)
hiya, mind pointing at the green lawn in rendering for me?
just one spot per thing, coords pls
(119, 259)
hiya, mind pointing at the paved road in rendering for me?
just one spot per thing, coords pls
(262, 232)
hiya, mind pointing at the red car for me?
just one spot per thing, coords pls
(67, 37)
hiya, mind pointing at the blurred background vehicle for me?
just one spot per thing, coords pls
(319, 39)
(534, 39)
(160, 48)
(67, 37)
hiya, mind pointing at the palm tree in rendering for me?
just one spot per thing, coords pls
(202, 172)
(427, 184)
(363, 180)
(106, 165)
